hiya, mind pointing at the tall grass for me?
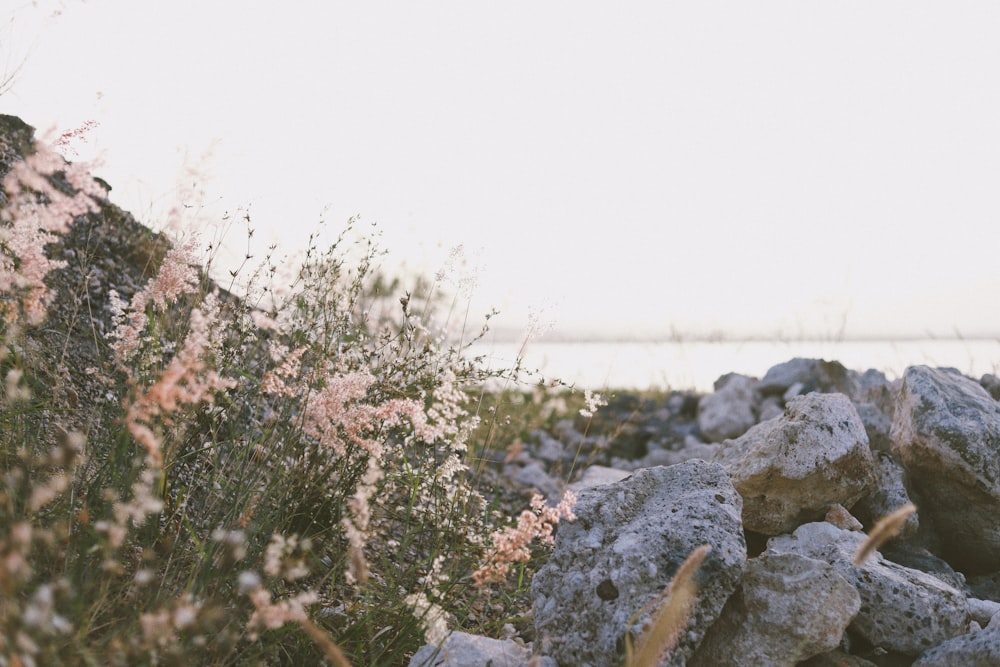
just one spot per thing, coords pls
(281, 478)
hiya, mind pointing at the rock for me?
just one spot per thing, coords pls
(813, 374)
(986, 586)
(533, 476)
(729, 412)
(991, 383)
(918, 558)
(786, 609)
(890, 493)
(836, 658)
(871, 382)
(878, 426)
(841, 518)
(693, 449)
(792, 469)
(465, 650)
(771, 407)
(549, 449)
(946, 434)
(625, 545)
(596, 476)
(983, 611)
(902, 609)
(975, 649)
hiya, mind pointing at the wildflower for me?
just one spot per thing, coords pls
(247, 581)
(185, 381)
(591, 402)
(235, 542)
(283, 557)
(36, 212)
(15, 390)
(42, 495)
(432, 617)
(510, 545)
(274, 380)
(272, 615)
(176, 277)
(66, 142)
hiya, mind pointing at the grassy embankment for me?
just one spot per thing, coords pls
(191, 478)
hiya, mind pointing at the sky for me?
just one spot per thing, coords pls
(619, 169)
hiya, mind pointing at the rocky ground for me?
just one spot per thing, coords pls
(781, 476)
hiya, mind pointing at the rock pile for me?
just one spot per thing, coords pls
(780, 476)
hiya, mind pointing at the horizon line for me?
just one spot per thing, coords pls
(511, 335)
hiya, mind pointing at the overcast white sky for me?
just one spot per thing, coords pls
(736, 167)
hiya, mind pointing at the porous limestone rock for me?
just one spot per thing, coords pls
(786, 609)
(902, 609)
(729, 412)
(974, 649)
(946, 434)
(792, 469)
(627, 542)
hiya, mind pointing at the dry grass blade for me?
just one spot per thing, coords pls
(886, 528)
(330, 648)
(668, 623)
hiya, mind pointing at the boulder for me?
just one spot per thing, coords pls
(902, 609)
(627, 542)
(729, 412)
(946, 433)
(812, 374)
(786, 609)
(790, 470)
(975, 649)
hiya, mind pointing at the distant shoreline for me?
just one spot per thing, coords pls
(509, 335)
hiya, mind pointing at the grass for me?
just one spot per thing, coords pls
(187, 477)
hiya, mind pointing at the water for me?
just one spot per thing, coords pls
(696, 365)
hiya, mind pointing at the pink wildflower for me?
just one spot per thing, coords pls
(35, 212)
(274, 380)
(337, 416)
(185, 381)
(271, 615)
(510, 545)
(66, 142)
(175, 278)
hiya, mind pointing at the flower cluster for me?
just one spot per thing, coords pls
(510, 545)
(175, 278)
(187, 380)
(36, 211)
(591, 402)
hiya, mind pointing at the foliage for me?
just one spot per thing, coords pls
(278, 478)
